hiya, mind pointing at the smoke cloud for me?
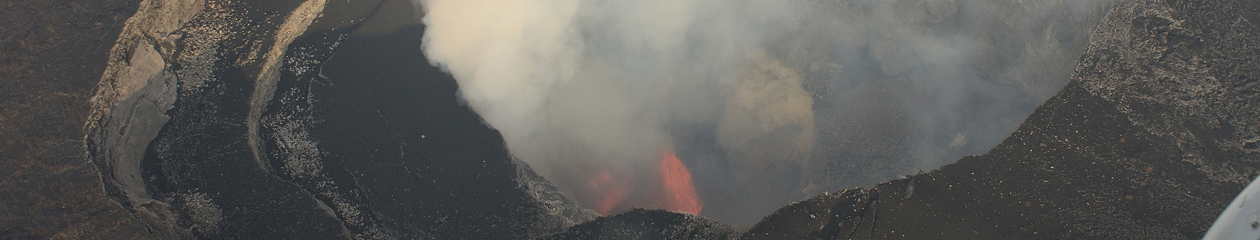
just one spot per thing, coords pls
(765, 101)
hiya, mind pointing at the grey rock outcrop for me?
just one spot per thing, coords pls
(130, 106)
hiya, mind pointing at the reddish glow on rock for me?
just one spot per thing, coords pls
(611, 193)
(680, 195)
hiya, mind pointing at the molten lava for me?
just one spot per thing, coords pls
(680, 195)
(610, 193)
(611, 190)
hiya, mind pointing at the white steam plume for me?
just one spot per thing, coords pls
(507, 55)
(763, 99)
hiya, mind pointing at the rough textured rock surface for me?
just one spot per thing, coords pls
(648, 224)
(1151, 139)
(52, 54)
(890, 110)
(230, 119)
(322, 119)
(198, 171)
(377, 133)
(130, 106)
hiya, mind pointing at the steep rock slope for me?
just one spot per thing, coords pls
(378, 134)
(233, 119)
(1151, 139)
(323, 119)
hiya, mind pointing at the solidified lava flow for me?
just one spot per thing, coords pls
(680, 193)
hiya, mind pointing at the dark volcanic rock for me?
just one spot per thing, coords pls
(823, 216)
(1151, 139)
(303, 119)
(200, 162)
(378, 133)
(648, 224)
(52, 53)
(876, 123)
(323, 119)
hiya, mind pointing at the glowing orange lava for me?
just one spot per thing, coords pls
(680, 194)
(611, 193)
